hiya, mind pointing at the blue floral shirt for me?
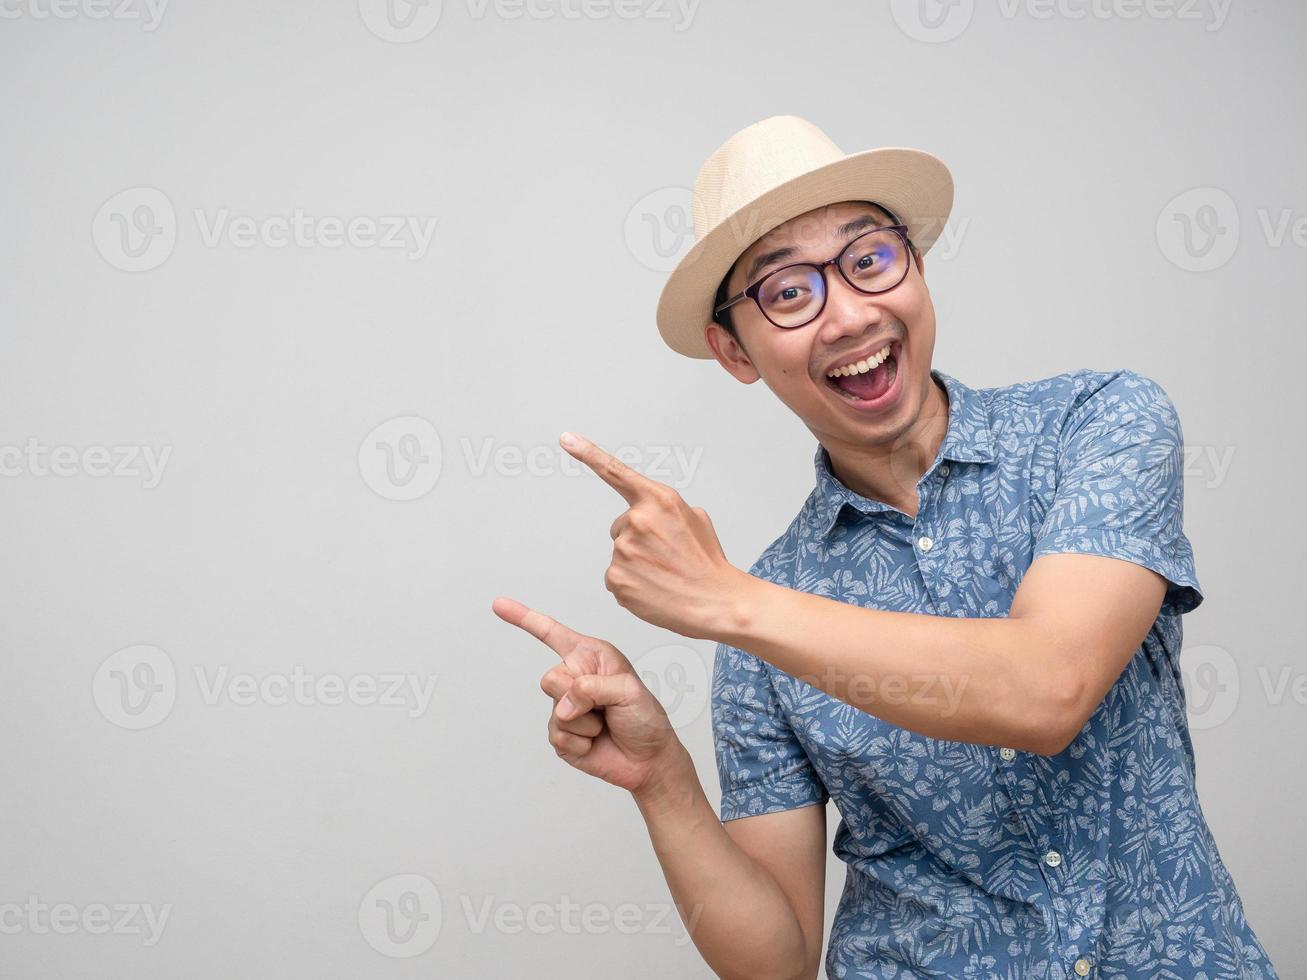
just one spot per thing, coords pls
(978, 861)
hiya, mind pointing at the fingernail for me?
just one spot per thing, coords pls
(568, 440)
(565, 706)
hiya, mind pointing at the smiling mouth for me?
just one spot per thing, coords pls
(868, 379)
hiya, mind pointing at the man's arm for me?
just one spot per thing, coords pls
(752, 891)
(1029, 681)
(1112, 540)
(751, 898)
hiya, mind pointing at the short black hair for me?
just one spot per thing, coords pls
(724, 318)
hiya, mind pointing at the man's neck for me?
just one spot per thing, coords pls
(890, 473)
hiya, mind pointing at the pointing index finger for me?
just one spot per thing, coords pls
(631, 484)
(549, 631)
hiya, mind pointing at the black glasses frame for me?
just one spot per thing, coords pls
(751, 292)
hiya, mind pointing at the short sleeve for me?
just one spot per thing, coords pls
(762, 766)
(1120, 489)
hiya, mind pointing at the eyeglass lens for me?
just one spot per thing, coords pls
(873, 263)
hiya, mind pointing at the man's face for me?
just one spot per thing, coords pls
(851, 327)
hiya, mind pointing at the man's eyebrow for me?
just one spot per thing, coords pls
(866, 221)
(766, 259)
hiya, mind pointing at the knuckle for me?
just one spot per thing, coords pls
(554, 681)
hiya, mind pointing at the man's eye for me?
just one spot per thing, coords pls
(788, 294)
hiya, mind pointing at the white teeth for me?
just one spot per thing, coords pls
(861, 367)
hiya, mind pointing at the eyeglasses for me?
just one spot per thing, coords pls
(795, 295)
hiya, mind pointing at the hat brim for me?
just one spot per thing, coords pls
(914, 184)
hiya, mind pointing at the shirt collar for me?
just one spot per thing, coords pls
(968, 439)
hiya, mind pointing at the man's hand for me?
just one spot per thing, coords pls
(668, 567)
(605, 721)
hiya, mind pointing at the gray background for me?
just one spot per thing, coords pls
(554, 153)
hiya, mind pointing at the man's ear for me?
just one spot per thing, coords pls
(730, 353)
(921, 262)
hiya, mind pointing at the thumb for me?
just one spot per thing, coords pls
(591, 691)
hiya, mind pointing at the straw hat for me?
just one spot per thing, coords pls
(771, 172)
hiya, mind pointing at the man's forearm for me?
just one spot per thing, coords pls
(740, 920)
(992, 681)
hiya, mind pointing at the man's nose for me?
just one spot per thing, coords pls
(848, 312)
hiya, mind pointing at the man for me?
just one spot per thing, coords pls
(969, 637)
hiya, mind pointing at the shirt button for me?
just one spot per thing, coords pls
(1053, 859)
(1006, 754)
(1082, 967)
(943, 470)
(924, 543)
